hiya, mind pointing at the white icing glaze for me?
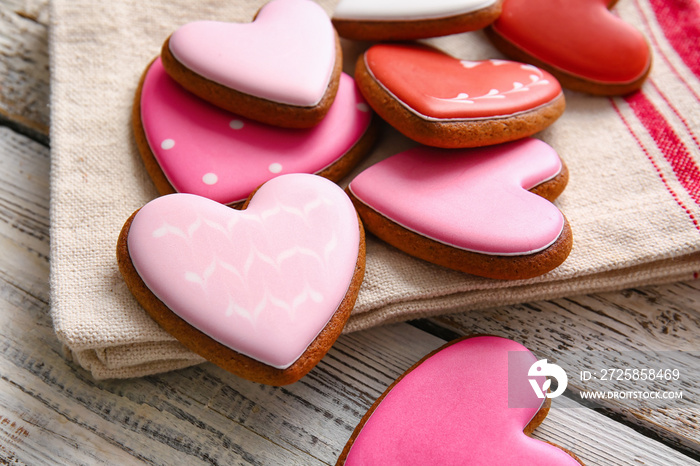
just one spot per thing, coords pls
(387, 10)
(263, 281)
(286, 55)
(472, 199)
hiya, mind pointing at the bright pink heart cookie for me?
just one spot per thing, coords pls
(580, 42)
(262, 292)
(469, 402)
(191, 146)
(441, 101)
(281, 69)
(484, 211)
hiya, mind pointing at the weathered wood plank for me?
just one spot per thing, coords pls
(605, 443)
(28, 427)
(652, 327)
(121, 421)
(24, 66)
(361, 365)
(205, 415)
(24, 212)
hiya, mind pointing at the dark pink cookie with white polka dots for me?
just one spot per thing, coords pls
(189, 145)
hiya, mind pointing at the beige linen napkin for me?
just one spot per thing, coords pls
(633, 198)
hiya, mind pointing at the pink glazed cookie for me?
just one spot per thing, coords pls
(441, 101)
(262, 292)
(281, 69)
(384, 20)
(469, 402)
(484, 211)
(191, 146)
(580, 42)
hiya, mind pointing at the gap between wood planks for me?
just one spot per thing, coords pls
(24, 96)
(24, 130)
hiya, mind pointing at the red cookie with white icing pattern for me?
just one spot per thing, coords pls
(281, 69)
(384, 20)
(262, 292)
(468, 402)
(485, 211)
(191, 146)
(442, 101)
(580, 42)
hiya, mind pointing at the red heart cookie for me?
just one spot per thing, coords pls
(579, 41)
(281, 69)
(262, 292)
(441, 101)
(191, 146)
(484, 211)
(469, 402)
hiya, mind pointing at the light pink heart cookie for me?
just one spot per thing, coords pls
(191, 146)
(442, 101)
(281, 69)
(262, 292)
(469, 402)
(484, 211)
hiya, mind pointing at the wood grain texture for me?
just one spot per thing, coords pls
(653, 327)
(204, 415)
(24, 66)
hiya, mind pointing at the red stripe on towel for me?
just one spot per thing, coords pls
(672, 148)
(680, 21)
(660, 51)
(673, 193)
(678, 114)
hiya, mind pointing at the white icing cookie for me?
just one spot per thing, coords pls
(414, 19)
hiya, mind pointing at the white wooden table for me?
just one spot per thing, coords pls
(53, 412)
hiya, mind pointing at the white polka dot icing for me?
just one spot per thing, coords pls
(167, 144)
(211, 140)
(210, 178)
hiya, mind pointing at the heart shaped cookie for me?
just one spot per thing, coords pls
(441, 101)
(262, 292)
(384, 20)
(468, 402)
(580, 42)
(281, 69)
(484, 211)
(189, 145)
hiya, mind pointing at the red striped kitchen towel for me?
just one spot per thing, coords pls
(633, 199)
